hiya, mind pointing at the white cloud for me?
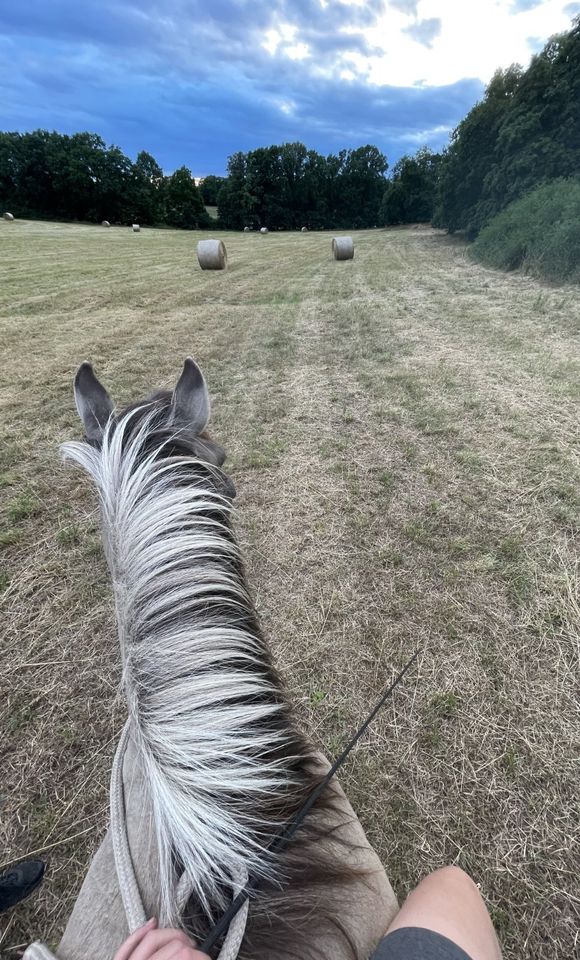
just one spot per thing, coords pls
(287, 32)
(297, 51)
(430, 42)
(281, 40)
(428, 135)
(271, 41)
(476, 37)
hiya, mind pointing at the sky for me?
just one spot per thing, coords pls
(192, 82)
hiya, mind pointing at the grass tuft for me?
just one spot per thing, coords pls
(23, 506)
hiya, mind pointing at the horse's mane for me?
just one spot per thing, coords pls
(224, 760)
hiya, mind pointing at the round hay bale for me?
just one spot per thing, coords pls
(136, 228)
(212, 255)
(343, 248)
(105, 223)
(263, 229)
(304, 230)
(8, 216)
(246, 229)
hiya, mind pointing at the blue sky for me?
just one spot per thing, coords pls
(194, 81)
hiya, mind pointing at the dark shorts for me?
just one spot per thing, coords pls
(417, 943)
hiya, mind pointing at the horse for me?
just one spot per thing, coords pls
(212, 763)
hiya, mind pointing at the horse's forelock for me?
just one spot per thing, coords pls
(151, 418)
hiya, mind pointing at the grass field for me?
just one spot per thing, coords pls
(402, 430)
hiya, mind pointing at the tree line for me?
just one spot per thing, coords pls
(289, 186)
(48, 175)
(524, 132)
(54, 176)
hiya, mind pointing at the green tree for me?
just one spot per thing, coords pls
(55, 176)
(264, 182)
(80, 175)
(525, 132)
(183, 204)
(27, 173)
(471, 153)
(410, 193)
(539, 137)
(361, 184)
(287, 186)
(147, 190)
(234, 201)
(209, 188)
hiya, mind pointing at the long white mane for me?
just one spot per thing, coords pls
(206, 709)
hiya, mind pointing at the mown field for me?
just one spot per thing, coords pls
(403, 433)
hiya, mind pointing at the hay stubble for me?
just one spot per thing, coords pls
(403, 439)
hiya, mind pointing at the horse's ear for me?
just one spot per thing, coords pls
(190, 405)
(93, 402)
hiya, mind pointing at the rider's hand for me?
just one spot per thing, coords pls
(149, 943)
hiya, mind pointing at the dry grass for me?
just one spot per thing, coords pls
(402, 433)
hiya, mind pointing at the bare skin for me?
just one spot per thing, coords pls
(150, 943)
(446, 901)
(449, 903)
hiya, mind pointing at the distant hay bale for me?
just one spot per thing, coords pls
(136, 228)
(212, 255)
(343, 248)
(105, 223)
(263, 229)
(246, 230)
(9, 216)
(304, 230)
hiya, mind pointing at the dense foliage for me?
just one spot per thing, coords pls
(209, 188)
(539, 232)
(289, 186)
(53, 176)
(410, 193)
(525, 132)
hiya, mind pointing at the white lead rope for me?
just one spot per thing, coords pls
(130, 894)
(128, 886)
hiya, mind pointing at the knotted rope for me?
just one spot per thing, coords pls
(128, 886)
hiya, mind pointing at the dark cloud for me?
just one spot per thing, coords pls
(334, 16)
(424, 31)
(192, 83)
(113, 25)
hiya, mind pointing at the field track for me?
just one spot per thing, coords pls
(403, 433)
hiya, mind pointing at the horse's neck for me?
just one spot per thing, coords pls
(206, 705)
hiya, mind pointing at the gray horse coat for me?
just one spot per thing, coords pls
(210, 763)
(98, 924)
